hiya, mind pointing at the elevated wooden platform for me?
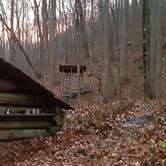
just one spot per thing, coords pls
(73, 80)
(71, 69)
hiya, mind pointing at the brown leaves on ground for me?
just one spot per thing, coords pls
(99, 135)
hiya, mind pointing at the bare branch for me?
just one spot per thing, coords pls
(20, 46)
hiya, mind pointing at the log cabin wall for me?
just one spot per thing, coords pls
(19, 90)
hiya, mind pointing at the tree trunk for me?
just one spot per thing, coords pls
(155, 56)
(124, 40)
(12, 41)
(146, 45)
(81, 32)
(108, 76)
(151, 47)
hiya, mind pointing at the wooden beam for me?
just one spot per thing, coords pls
(7, 85)
(25, 125)
(23, 100)
(17, 134)
(16, 99)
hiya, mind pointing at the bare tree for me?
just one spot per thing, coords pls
(151, 47)
(124, 39)
(108, 76)
(80, 32)
(146, 44)
(9, 30)
(155, 57)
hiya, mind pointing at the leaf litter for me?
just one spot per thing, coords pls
(99, 134)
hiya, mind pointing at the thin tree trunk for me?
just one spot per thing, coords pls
(108, 76)
(124, 40)
(20, 46)
(146, 45)
(155, 48)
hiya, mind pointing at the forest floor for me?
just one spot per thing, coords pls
(99, 134)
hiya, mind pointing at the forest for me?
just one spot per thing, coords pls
(105, 58)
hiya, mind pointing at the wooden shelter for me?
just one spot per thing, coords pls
(73, 80)
(26, 108)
